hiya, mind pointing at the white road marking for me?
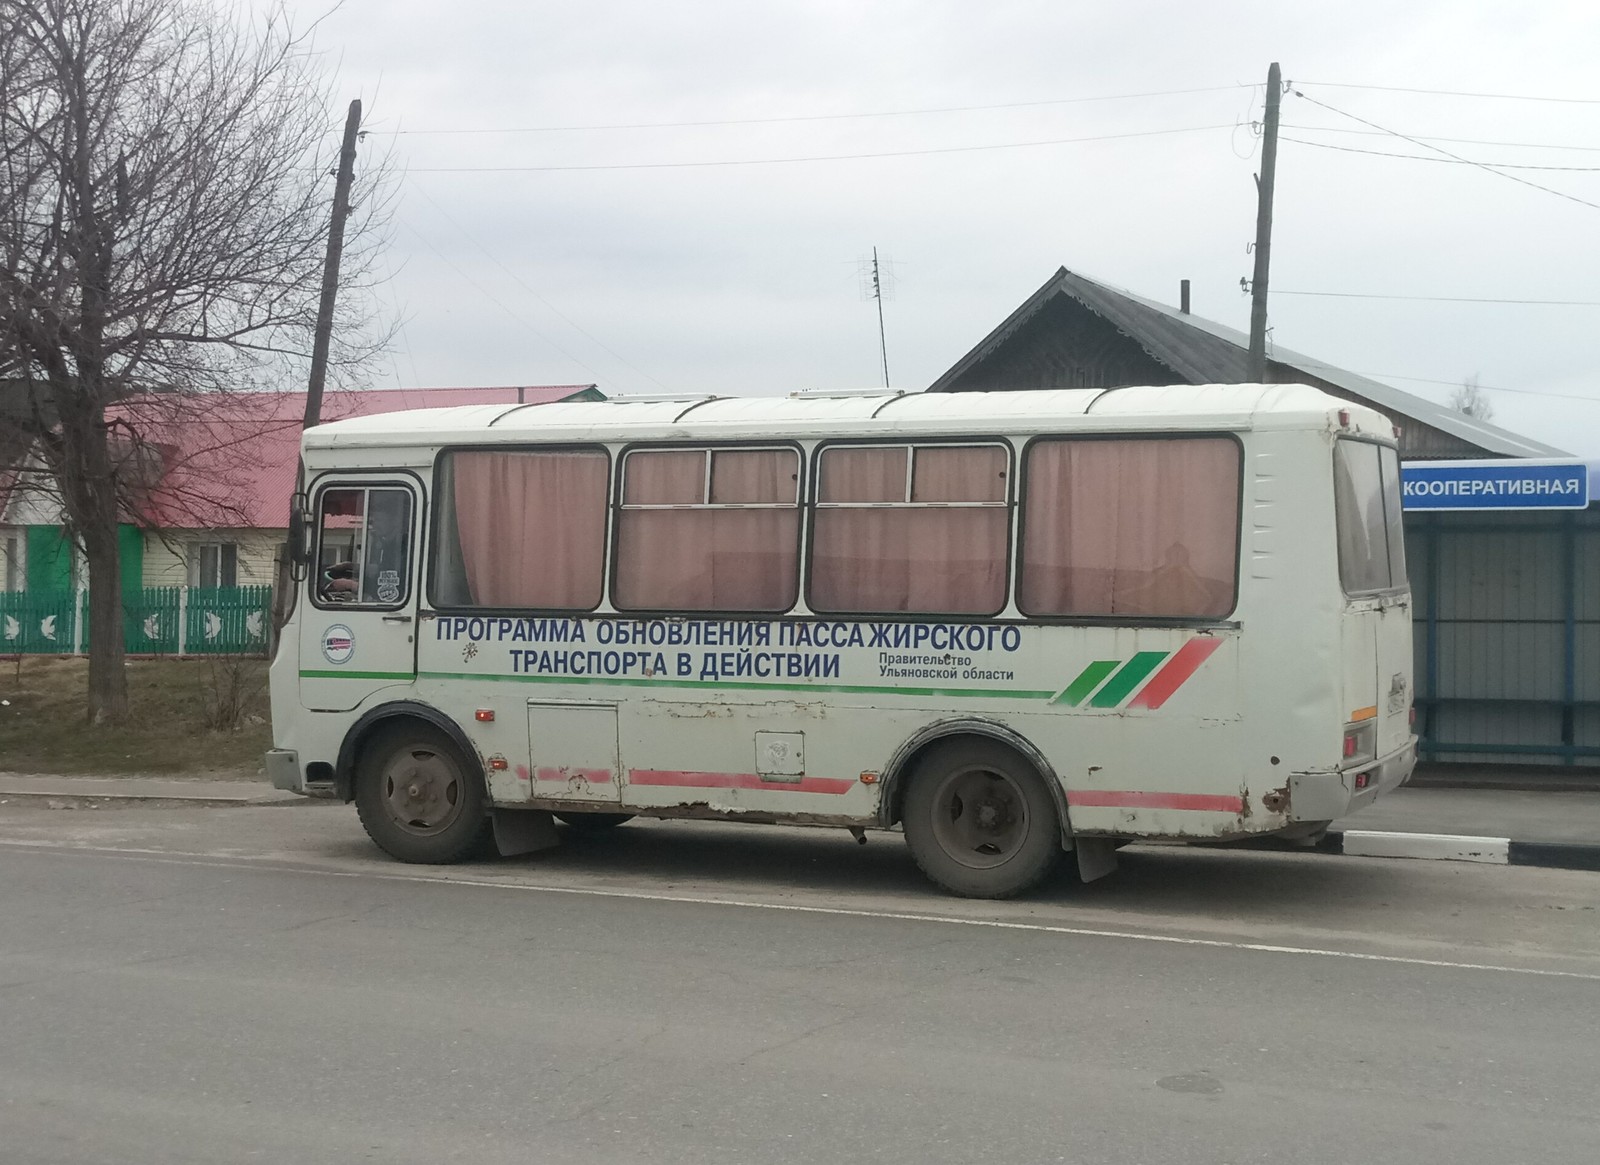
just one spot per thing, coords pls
(217, 860)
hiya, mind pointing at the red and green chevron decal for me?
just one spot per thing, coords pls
(1106, 683)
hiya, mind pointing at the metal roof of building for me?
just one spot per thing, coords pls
(231, 462)
(1205, 352)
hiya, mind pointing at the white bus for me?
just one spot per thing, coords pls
(1013, 624)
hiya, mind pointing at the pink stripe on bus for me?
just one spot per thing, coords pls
(1113, 799)
(563, 775)
(691, 780)
(1183, 664)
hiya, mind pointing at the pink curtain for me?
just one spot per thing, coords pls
(532, 527)
(932, 559)
(710, 558)
(664, 478)
(1131, 527)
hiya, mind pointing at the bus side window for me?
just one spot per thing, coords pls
(1130, 527)
(364, 546)
(915, 529)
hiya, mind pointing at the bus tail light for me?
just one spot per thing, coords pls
(484, 715)
(1360, 741)
(1344, 418)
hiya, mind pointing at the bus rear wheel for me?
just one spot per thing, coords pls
(980, 821)
(418, 798)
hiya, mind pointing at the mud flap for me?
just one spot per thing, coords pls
(523, 831)
(1097, 857)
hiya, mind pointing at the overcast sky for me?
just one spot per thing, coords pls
(611, 266)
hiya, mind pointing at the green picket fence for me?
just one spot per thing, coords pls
(156, 621)
(44, 625)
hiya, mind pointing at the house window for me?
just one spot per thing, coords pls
(214, 564)
(11, 548)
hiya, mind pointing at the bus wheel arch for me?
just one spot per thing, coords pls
(979, 818)
(390, 717)
(897, 774)
(420, 796)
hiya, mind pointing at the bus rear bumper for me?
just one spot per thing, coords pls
(1330, 796)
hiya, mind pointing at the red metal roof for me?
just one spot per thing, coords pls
(228, 460)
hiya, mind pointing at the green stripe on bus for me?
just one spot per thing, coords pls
(358, 675)
(990, 693)
(1119, 685)
(1088, 680)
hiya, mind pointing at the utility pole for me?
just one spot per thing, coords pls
(283, 590)
(1257, 371)
(330, 267)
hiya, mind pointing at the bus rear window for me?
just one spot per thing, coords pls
(1366, 486)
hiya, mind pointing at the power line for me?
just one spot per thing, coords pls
(1447, 153)
(1594, 400)
(825, 116)
(492, 298)
(814, 158)
(495, 259)
(1443, 298)
(1452, 93)
(1457, 141)
(1444, 161)
(1312, 365)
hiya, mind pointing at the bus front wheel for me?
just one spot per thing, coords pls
(418, 799)
(980, 821)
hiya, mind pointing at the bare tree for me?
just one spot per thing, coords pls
(165, 186)
(1471, 400)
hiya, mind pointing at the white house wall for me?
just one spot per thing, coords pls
(166, 562)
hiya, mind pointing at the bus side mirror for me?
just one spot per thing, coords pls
(299, 534)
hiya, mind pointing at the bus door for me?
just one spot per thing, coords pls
(1377, 647)
(358, 630)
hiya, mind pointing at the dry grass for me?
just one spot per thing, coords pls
(42, 727)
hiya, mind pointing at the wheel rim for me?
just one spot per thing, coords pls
(980, 817)
(422, 791)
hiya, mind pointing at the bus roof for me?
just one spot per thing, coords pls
(870, 413)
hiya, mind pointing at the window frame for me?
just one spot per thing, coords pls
(614, 512)
(1392, 588)
(436, 516)
(332, 481)
(196, 560)
(1012, 499)
(1227, 618)
(14, 547)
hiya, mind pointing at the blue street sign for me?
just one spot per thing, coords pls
(1495, 485)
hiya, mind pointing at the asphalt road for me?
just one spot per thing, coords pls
(222, 985)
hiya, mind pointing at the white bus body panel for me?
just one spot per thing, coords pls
(1212, 730)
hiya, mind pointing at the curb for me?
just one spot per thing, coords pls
(142, 799)
(97, 792)
(1499, 851)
